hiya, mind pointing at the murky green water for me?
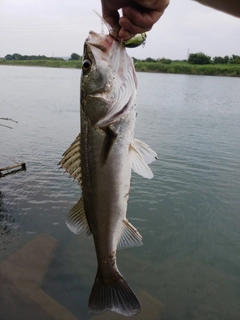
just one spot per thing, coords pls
(188, 215)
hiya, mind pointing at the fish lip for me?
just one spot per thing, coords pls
(93, 32)
(99, 38)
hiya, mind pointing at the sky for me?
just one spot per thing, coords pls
(59, 28)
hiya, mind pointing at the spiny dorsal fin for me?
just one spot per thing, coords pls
(76, 219)
(130, 236)
(71, 160)
(141, 155)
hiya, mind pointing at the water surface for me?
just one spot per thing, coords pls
(188, 214)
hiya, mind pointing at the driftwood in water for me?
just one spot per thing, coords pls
(9, 119)
(22, 166)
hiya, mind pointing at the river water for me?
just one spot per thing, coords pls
(188, 214)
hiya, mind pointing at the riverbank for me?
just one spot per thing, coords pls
(55, 63)
(230, 70)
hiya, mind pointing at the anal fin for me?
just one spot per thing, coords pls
(130, 236)
(76, 219)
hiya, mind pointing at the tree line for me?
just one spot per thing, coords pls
(197, 58)
(18, 56)
(201, 58)
(194, 58)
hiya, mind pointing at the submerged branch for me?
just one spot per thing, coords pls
(2, 125)
(9, 119)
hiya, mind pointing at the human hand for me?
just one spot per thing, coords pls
(138, 15)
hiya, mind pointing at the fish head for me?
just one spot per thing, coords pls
(108, 83)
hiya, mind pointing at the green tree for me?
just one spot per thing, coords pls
(150, 60)
(234, 59)
(165, 61)
(218, 60)
(17, 56)
(75, 56)
(199, 58)
(8, 57)
(226, 59)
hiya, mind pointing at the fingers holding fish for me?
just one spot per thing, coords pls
(138, 16)
(134, 21)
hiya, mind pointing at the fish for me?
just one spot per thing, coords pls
(101, 159)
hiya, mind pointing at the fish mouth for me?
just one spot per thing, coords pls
(100, 41)
(91, 32)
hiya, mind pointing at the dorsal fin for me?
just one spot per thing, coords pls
(71, 160)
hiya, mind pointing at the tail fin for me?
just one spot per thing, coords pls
(113, 294)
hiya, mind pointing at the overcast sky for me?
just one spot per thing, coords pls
(59, 28)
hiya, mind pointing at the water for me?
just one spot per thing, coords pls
(188, 214)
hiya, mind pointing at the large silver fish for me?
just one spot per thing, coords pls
(101, 159)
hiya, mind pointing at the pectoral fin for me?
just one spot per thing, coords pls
(76, 219)
(141, 155)
(144, 150)
(130, 236)
(71, 160)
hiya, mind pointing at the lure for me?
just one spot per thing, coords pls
(138, 40)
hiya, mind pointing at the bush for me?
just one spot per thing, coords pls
(199, 58)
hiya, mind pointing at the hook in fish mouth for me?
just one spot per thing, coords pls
(114, 34)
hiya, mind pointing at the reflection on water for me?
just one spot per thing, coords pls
(188, 214)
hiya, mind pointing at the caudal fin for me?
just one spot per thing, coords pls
(113, 294)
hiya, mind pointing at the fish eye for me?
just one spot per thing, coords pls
(86, 65)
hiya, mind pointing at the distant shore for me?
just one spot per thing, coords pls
(229, 70)
(55, 63)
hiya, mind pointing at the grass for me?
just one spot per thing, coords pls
(44, 63)
(230, 70)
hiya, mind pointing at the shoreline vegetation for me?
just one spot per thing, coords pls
(197, 64)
